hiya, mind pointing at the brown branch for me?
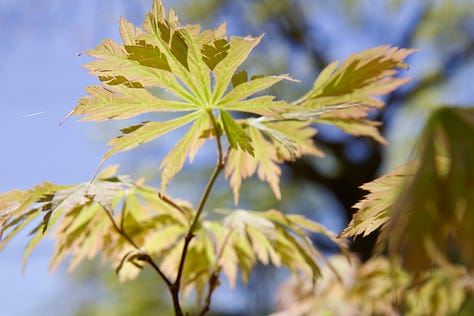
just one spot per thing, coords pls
(144, 255)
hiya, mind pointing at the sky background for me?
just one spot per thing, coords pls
(41, 79)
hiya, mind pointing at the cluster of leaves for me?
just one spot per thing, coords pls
(377, 287)
(131, 224)
(201, 72)
(113, 215)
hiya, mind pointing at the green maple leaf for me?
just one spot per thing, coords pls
(183, 60)
(343, 94)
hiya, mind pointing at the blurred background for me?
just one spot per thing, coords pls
(41, 79)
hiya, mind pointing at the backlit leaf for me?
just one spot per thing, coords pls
(240, 48)
(240, 166)
(236, 135)
(214, 52)
(147, 132)
(359, 78)
(187, 146)
(246, 237)
(264, 105)
(112, 61)
(248, 88)
(344, 94)
(374, 210)
(120, 102)
(267, 169)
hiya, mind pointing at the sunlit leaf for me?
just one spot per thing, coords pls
(147, 132)
(236, 135)
(187, 146)
(343, 94)
(245, 237)
(374, 210)
(240, 48)
(375, 287)
(345, 288)
(120, 102)
(240, 166)
(266, 160)
(359, 78)
(248, 88)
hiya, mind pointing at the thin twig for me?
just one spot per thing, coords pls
(175, 288)
(213, 284)
(146, 257)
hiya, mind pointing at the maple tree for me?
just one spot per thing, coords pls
(190, 247)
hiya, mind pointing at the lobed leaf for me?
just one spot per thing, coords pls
(359, 78)
(343, 94)
(239, 49)
(181, 60)
(376, 287)
(236, 135)
(19, 208)
(146, 132)
(245, 237)
(289, 139)
(187, 146)
(80, 218)
(373, 212)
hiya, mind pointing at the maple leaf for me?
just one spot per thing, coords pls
(432, 218)
(273, 142)
(182, 60)
(92, 218)
(66, 206)
(244, 238)
(343, 94)
(373, 211)
(377, 286)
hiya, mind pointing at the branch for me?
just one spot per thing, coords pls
(175, 287)
(213, 284)
(145, 256)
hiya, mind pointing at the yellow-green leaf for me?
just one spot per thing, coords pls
(236, 135)
(374, 210)
(240, 48)
(187, 146)
(147, 132)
